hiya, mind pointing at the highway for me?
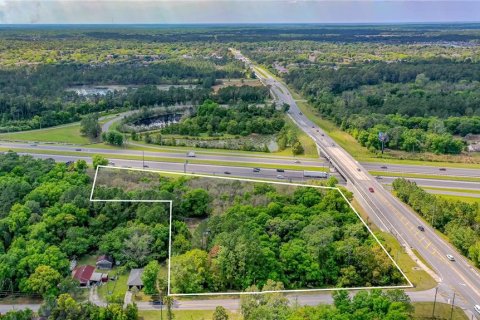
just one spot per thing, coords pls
(174, 155)
(416, 169)
(387, 212)
(246, 172)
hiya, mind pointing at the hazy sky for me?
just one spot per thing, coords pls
(237, 11)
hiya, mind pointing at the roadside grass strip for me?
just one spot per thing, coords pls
(424, 176)
(104, 175)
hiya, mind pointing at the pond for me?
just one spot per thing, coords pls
(156, 122)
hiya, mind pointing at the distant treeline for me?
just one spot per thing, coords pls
(419, 104)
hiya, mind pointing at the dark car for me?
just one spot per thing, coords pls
(384, 167)
(78, 149)
(371, 190)
(421, 228)
(256, 169)
(443, 169)
(280, 170)
(227, 172)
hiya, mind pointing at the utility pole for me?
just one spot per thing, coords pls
(453, 303)
(185, 166)
(434, 303)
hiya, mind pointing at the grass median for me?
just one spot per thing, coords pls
(424, 176)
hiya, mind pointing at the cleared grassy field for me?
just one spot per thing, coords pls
(65, 134)
(185, 315)
(423, 311)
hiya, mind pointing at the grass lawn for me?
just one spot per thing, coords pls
(420, 279)
(307, 143)
(423, 311)
(65, 134)
(117, 287)
(472, 191)
(423, 176)
(459, 198)
(185, 315)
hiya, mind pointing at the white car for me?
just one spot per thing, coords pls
(477, 308)
(450, 257)
(280, 177)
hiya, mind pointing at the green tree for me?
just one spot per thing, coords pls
(44, 280)
(297, 148)
(90, 127)
(150, 276)
(220, 313)
(99, 160)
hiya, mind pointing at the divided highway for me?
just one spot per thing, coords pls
(384, 209)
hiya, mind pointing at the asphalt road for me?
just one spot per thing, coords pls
(111, 153)
(388, 212)
(234, 303)
(245, 172)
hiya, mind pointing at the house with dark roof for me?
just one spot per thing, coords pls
(104, 262)
(83, 275)
(135, 279)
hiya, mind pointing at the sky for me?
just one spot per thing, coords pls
(236, 11)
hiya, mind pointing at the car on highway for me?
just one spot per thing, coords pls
(443, 169)
(256, 169)
(34, 145)
(227, 172)
(477, 308)
(358, 169)
(379, 177)
(300, 113)
(421, 228)
(78, 149)
(323, 135)
(280, 170)
(280, 176)
(145, 166)
(371, 190)
(111, 163)
(296, 161)
(450, 257)
(383, 167)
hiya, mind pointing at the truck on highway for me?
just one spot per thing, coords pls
(315, 174)
(191, 154)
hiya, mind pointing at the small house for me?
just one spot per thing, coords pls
(104, 262)
(83, 274)
(135, 279)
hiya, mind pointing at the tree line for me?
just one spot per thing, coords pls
(457, 219)
(420, 105)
